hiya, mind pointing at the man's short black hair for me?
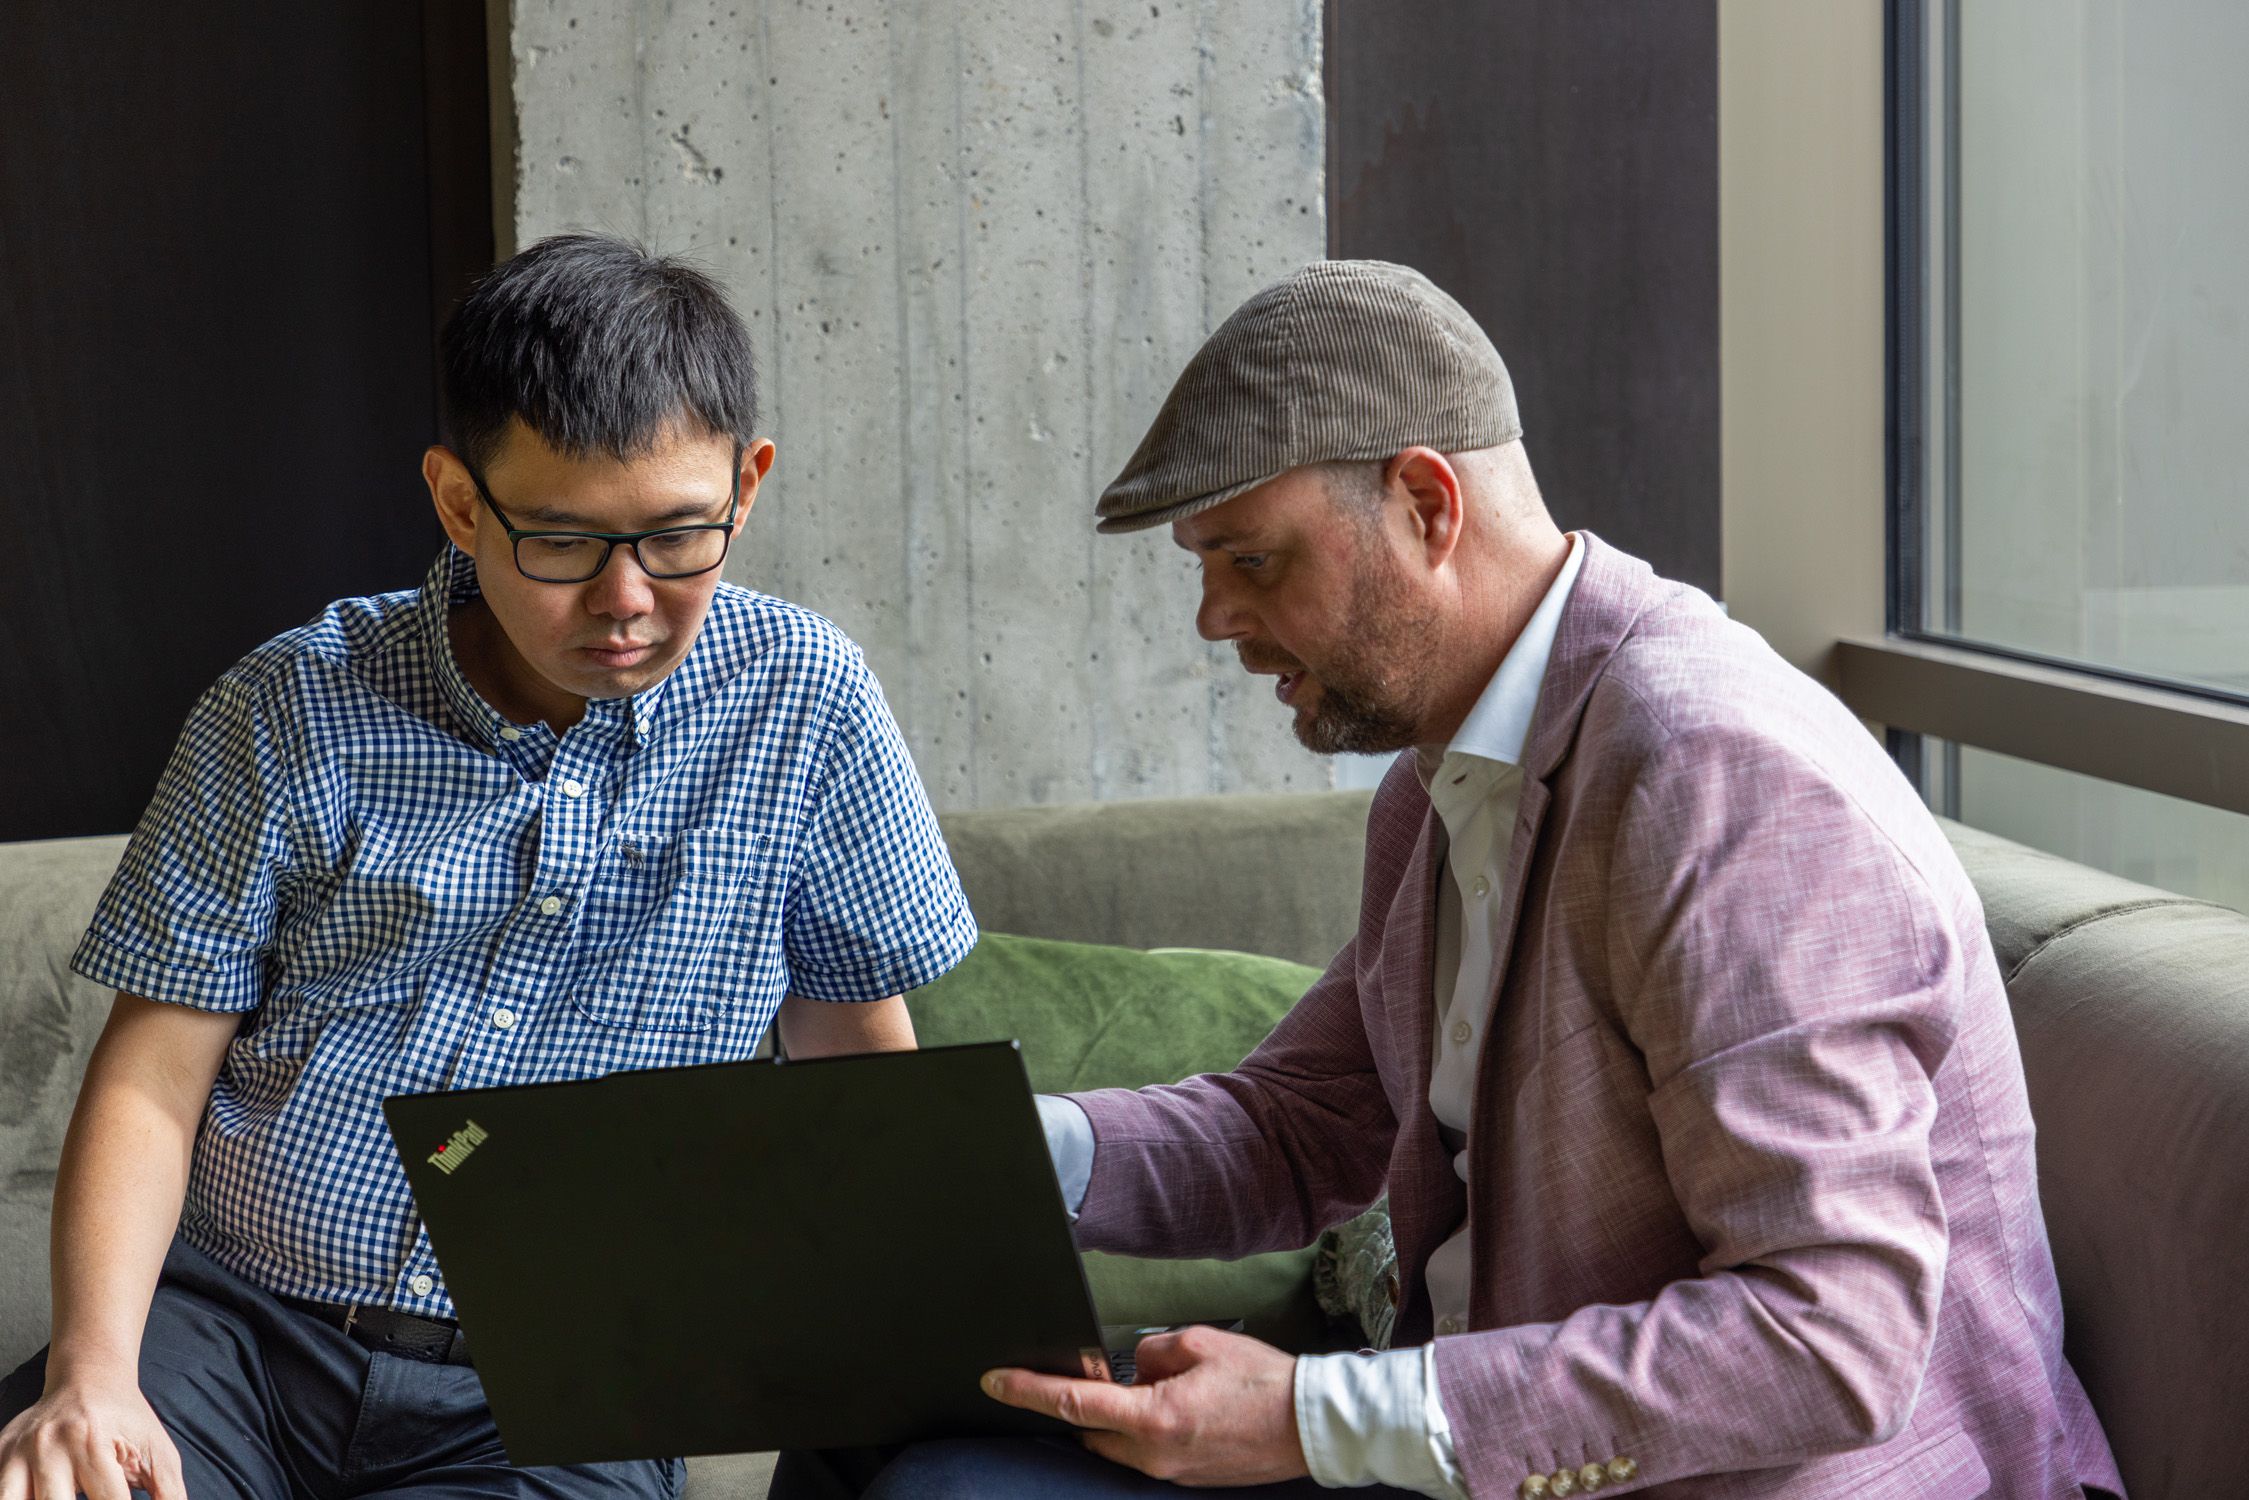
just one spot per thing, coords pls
(599, 347)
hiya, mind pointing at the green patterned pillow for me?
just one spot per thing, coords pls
(1090, 1016)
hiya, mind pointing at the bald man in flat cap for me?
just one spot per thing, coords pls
(1671, 1028)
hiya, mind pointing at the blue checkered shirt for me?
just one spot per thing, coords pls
(402, 892)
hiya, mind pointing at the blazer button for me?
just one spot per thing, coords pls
(1622, 1469)
(1562, 1482)
(1532, 1488)
(1592, 1477)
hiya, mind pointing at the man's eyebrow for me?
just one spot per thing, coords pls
(555, 515)
(1222, 541)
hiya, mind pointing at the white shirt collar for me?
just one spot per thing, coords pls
(1497, 726)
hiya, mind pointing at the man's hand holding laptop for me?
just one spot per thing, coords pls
(1209, 1408)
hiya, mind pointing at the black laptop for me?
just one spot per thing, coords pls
(752, 1256)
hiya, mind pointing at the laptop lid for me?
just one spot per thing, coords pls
(751, 1256)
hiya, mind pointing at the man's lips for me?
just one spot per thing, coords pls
(1291, 676)
(618, 654)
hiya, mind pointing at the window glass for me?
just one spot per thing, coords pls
(2086, 191)
(2145, 836)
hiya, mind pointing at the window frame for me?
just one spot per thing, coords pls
(2179, 739)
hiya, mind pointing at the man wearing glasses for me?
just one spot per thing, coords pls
(574, 806)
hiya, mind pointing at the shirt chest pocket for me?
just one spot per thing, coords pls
(675, 934)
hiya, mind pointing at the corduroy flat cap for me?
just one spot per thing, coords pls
(1342, 361)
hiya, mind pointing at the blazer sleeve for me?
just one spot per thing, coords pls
(1263, 1158)
(1793, 985)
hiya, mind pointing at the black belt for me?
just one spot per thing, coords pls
(433, 1341)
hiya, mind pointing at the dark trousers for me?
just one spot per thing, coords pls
(265, 1402)
(997, 1469)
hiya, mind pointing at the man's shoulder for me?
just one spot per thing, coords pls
(358, 638)
(1698, 706)
(1687, 675)
(749, 634)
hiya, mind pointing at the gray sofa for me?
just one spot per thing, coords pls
(2132, 1005)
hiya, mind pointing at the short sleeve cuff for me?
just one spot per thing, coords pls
(230, 987)
(892, 973)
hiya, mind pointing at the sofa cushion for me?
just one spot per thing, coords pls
(1090, 1016)
(2131, 1005)
(49, 1018)
(1273, 874)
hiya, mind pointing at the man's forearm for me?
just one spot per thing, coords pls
(117, 1201)
(820, 1028)
(123, 1176)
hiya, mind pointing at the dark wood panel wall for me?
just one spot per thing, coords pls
(1554, 165)
(227, 231)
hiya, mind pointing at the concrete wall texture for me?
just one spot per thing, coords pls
(974, 243)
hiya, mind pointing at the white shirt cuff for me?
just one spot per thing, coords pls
(1375, 1419)
(1069, 1140)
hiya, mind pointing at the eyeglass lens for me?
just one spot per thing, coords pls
(666, 554)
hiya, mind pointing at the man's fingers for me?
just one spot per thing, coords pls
(1081, 1403)
(1163, 1355)
(1115, 1447)
(56, 1481)
(101, 1470)
(166, 1480)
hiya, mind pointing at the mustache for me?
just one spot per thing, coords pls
(1256, 659)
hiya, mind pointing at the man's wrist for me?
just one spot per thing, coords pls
(97, 1364)
(1367, 1419)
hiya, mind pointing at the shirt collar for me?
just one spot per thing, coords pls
(452, 581)
(1497, 726)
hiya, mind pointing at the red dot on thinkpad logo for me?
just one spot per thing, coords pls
(441, 1150)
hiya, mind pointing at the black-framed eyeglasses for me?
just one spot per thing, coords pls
(578, 556)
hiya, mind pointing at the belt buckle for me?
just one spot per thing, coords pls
(351, 1319)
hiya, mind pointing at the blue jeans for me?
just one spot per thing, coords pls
(996, 1469)
(267, 1403)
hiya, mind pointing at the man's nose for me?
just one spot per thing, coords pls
(1218, 618)
(621, 590)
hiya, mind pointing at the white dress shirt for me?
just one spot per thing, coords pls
(1376, 1418)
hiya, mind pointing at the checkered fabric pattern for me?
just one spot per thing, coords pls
(404, 892)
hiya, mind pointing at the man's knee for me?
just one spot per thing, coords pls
(947, 1469)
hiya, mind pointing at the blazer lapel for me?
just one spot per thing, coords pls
(1407, 949)
(1611, 592)
(1426, 1198)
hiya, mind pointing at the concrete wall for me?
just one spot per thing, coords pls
(974, 244)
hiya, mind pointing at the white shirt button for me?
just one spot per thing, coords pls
(1483, 888)
(551, 905)
(510, 732)
(1461, 1032)
(573, 789)
(503, 1018)
(1449, 1325)
(421, 1286)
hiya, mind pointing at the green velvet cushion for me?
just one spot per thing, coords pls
(1092, 1017)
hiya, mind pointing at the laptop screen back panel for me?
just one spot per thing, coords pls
(749, 1256)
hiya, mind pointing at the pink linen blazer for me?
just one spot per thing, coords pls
(1754, 1205)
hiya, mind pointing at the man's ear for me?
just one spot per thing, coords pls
(757, 462)
(1434, 507)
(453, 493)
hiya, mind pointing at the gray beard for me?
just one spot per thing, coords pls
(1347, 724)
